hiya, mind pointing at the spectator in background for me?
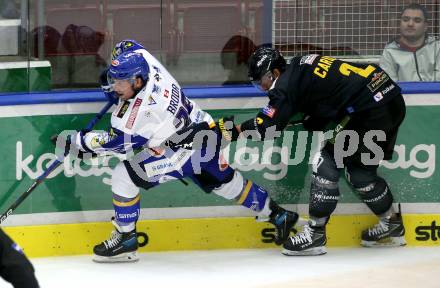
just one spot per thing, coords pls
(414, 55)
(9, 9)
(234, 57)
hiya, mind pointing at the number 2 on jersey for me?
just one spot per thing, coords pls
(346, 69)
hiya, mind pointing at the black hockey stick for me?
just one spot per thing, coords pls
(51, 168)
(295, 122)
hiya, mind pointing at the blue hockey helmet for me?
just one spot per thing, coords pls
(128, 66)
(124, 46)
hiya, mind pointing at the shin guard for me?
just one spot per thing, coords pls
(377, 196)
(324, 196)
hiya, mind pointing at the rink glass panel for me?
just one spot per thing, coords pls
(201, 42)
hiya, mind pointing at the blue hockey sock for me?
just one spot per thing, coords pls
(253, 197)
(127, 211)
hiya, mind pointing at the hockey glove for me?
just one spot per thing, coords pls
(314, 123)
(185, 137)
(227, 129)
(65, 145)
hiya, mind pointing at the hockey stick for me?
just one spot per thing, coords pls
(295, 122)
(51, 168)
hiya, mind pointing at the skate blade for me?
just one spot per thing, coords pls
(124, 257)
(389, 242)
(309, 252)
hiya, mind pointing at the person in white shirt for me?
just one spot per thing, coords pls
(414, 55)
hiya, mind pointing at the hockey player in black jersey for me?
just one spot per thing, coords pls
(365, 103)
(14, 266)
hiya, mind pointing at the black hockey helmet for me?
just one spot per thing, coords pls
(265, 59)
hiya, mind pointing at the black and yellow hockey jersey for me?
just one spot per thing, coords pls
(328, 89)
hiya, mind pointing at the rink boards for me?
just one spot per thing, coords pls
(207, 233)
(70, 211)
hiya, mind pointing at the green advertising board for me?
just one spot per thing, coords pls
(70, 210)
(27, 150)
(25, 76)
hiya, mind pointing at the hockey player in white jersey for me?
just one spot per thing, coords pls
(151, 108)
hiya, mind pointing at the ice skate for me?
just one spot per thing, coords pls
(388, 232)
(311, 241)
(283, 221)
(121, 247)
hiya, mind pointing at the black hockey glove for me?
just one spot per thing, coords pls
(227, 129)
(184, 138)
(314, 123)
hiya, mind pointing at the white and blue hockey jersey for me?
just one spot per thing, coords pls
(148, 119)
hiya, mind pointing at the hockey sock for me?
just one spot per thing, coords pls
(127, 211)
(255, 198)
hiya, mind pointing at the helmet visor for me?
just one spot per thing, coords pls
(261, 83)
(113, 80)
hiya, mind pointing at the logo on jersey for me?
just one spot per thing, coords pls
(123, 109)
(151, 100)
(133, 114)
(166, 93)
(175, 99)
(388, 89)
(156, 89)
(259, 121)
(378, 96)
(115, 62)
(377, 81)
(308, 59)
(164, 166)
(269, 111)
